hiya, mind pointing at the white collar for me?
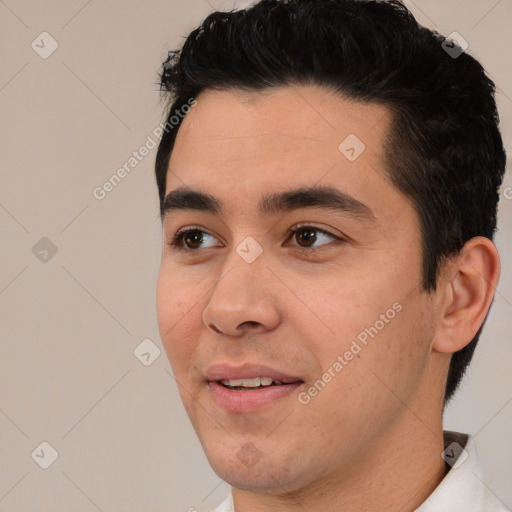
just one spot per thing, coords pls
(463, 489)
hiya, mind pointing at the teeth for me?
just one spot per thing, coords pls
(250, 383)
(232, 383)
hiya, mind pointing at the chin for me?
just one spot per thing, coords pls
(259, 481)
(244, 468)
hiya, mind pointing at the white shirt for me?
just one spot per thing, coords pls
(463, 489)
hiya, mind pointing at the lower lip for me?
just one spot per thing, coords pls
(247, 401)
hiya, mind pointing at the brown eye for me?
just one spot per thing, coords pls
(193, 239)
(309, 239)
(306, 236)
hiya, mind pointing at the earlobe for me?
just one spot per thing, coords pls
(467, 294)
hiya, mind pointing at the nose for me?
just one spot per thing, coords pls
(244, 300)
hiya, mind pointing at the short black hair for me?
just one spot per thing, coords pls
(444, 150)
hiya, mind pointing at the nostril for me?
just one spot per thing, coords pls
(213, 328)
(251, 323)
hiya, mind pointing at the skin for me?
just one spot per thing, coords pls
(372, 438)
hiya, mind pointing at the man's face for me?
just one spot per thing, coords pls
(346, 328)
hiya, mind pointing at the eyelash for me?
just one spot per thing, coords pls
(177, 241)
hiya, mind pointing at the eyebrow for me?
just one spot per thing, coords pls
(184, 198)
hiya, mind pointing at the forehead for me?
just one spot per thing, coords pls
(299, 118)
(251, 143)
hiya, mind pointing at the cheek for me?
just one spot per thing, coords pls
(377, 326)
(350, 309)
(385, 349)
(177, 312)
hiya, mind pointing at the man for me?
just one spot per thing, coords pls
(328, 184)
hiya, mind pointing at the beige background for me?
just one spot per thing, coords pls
(70, 324)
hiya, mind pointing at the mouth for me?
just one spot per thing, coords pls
(250, 384)
(242, 389)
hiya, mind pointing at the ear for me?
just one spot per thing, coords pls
(466, 289)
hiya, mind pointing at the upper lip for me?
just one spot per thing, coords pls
(246, 371)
